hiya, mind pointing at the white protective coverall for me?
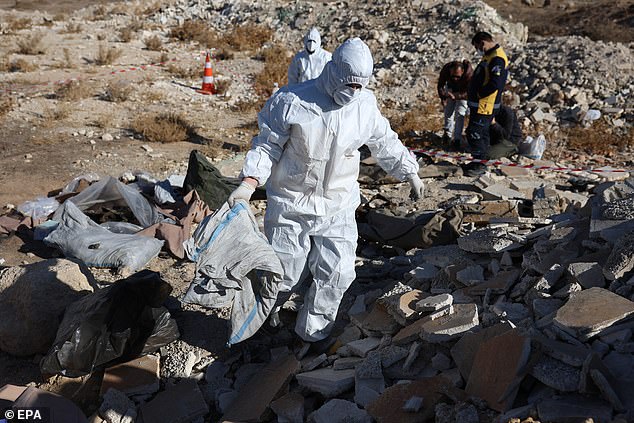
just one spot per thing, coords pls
(307, 154)
(308, 63)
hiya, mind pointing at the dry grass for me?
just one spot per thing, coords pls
(276, 61)
(600, 138)
(222, 86)
(165, 127)
(154, 96)
(99, 13)
(72, 28)
(66, 62)
(421, 117)
(105, 120)
(16, 24)
(153, 43)
(118, 92)
(31, 44)
(191, 31)
(144, 11)
(73, 91)
(59, 17)
(190, 72)
(107, 56)
(21, 65)
(6, 105)
(53, 115)
(248, 37)
(126, 34)
(250, 107)
(163, 58)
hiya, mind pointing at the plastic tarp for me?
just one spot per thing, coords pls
(235, 266)
(79, 237)
(115, 324)
(109, 191)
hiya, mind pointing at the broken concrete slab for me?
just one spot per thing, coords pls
(362, 347)
(345, 363)
(399, 303)
(501, 192)
(392, 354)
(498, 284)
(446, 328)
(485, 210)
(425, 272)
(135, 377)
(556, 374)
(621, 259)
(434, 303)
(589, 311)
(289, 408)
(377, 322)
(256, 395)
(490, 240)
(570, 354)
(327, 381)
(497, 380)
(574, 407)
(311, 363)
(588, 275)
(179, 403)
(471, 275)
(464, 351)
(388, 407)
(368, 379)
(339, 411)
(545, 306)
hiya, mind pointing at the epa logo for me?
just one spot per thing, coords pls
(24, 414)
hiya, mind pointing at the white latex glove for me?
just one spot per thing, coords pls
(244, 192)
(417, 187)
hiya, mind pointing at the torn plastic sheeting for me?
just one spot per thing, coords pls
(235, 265)
(118, 322)
(79, 237)
(110, 191)
(39, 208)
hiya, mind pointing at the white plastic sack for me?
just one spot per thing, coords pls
(79, 237)
(235, 266)
(38, 208)
(110, 191)
(533, 148)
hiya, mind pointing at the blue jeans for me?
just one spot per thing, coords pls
(478, 134)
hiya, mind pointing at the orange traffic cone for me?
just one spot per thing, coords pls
(208, 79)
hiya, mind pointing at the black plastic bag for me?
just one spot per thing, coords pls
(114, 324)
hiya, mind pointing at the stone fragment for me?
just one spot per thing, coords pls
(327, 382)
(574, 408)
(588, 312)
(32, 298)
(135, 377)
(401, 306)
(489, 240)
(514, 312)
(412, 355)
(388, 407)
(362, 347)
(497, 380)
(289, 408)
(434, 303)
(501, 192)
(464, 351)
(467, 413)
(313, 362)
(346, 363)
(440, 362)
(446, 328)
(180, 403)
(621, 259)
(570, 354)
(216, 370)
(471, 275)
(392, 354)
(556, 374)
(587, 275)
(545, 306)
(498, 284)
(376, 323)
(423, 273)
(368, 379)
(413, 405)
(340, 411)
(117, 408)
(256, 395)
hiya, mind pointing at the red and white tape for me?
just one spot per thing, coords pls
(464, 157)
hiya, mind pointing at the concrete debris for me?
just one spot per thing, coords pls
(339, 411)
(289, 408)
(327, 382)
(490, 240)
(117, 408)
(136, 377)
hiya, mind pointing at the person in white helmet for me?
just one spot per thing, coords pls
(308, 63)
(307, 155)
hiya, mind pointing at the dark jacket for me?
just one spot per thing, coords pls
(458, 88)
(487, 84)
(506, 127)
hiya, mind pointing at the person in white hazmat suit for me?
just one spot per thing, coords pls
(308, 63)
(307, 155)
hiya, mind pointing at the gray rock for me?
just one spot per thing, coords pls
(440, 362)
(587, 275)
(362, 347)
(339, 411)
(368, 378)
(289, 408)
(327, 382)
(434, 303)
(117, 408)
(556, 374)
(574, 408)
(621, 259)
(446, 328)
(490, 240)
(32, 299)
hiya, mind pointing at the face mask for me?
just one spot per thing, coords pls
(311, 46)
(345, 95)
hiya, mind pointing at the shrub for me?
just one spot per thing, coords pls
(190, 72)
(6, 105)
(222, 85)
(72, 28)
(153, 43)
(165, 127)
(600, 138)
(21, 65)
(190, 31)
(16, 24)
(107, 56)
(276, 61)
(73, 91)
(118, 91)
(31, 44)
(125, 34)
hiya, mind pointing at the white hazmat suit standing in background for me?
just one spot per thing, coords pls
(308, 63)
(307, 155)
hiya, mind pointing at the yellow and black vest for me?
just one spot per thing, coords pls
(487, 84)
